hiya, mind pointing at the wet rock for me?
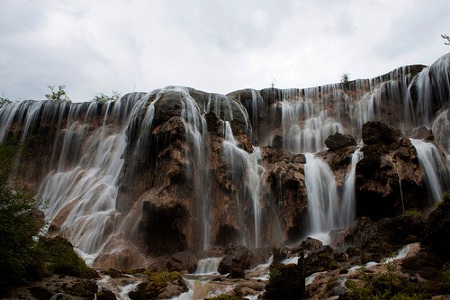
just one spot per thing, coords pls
(374, 132)
(279, 253)
(236, 260)
(159, 285)
(320, 260)
(404, 229)
(105, 295)
(285, 282)
(438, 228)
(181, 261)
(83, 288)
(422, 133)
(339, 140)
(309, 245)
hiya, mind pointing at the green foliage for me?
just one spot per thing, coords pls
(59, 95)
(391, 285)
(446, 37)
(60, 258)
(17, 228)
(155, 284)
(285, 282)
(345, 78)
(102, 98)
(4, 100)
(22, 259)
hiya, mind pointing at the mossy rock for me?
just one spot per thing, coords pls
(285, 282)
(156, 284)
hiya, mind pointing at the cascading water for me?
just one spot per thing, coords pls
(245, 165)
(323, 199)
(434, 166)
(196, 135)
(97, 146)
(347, 210)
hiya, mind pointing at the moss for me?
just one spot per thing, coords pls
(60, 257)
(285, 282)
(155, 285)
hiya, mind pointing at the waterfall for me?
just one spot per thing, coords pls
(347, 210)
(247, 165)
(434, 167)
(208, 266)
(80, 193)
(326, 208)
(196, 136)
(323, 199)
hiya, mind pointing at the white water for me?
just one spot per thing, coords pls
(347, 210)
(323, 199)
(208, 266)
(245, 165)
(434, 166)
(196, 135)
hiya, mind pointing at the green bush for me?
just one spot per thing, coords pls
(22, 258)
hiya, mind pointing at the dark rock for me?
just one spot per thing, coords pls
(423, 263)
(310, 244)
(437, 229)
(40, 293)
(404, 229)
(279, 253)
(422, 133)
(320, 260)
(236, 260)
(83, 288)
(339, 140)
(374, 132)
(105, 295)
(285, 282)
(181, 261)
(160, 285)
(277, 142)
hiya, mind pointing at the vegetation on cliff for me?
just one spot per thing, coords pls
(24, 258)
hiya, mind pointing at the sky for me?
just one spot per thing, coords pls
(218, 46)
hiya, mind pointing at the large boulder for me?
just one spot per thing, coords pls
(285, 282)
(437, 229)
(339, 140)
(236, 260)
(374, 132)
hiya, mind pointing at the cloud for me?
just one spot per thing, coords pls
(213, 45)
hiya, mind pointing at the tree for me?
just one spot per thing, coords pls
(446, 37)
(102, 98)
(59, 95)
(345, 78)
(17, 228)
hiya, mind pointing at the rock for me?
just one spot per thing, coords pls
(404, 229)
(422, 133)
(279, 253)
(83, 288)
(285, 282)
(339, 140)
(374, 132)
(159, 285)
(320, 260)
(309, 245)
(105, 295)
(182, 261)
(236, 260)
(437, 228)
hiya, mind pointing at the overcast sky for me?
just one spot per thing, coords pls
(219, 46)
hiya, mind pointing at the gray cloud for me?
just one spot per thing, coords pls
(214, 45)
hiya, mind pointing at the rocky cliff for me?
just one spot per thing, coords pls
(180, 169)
